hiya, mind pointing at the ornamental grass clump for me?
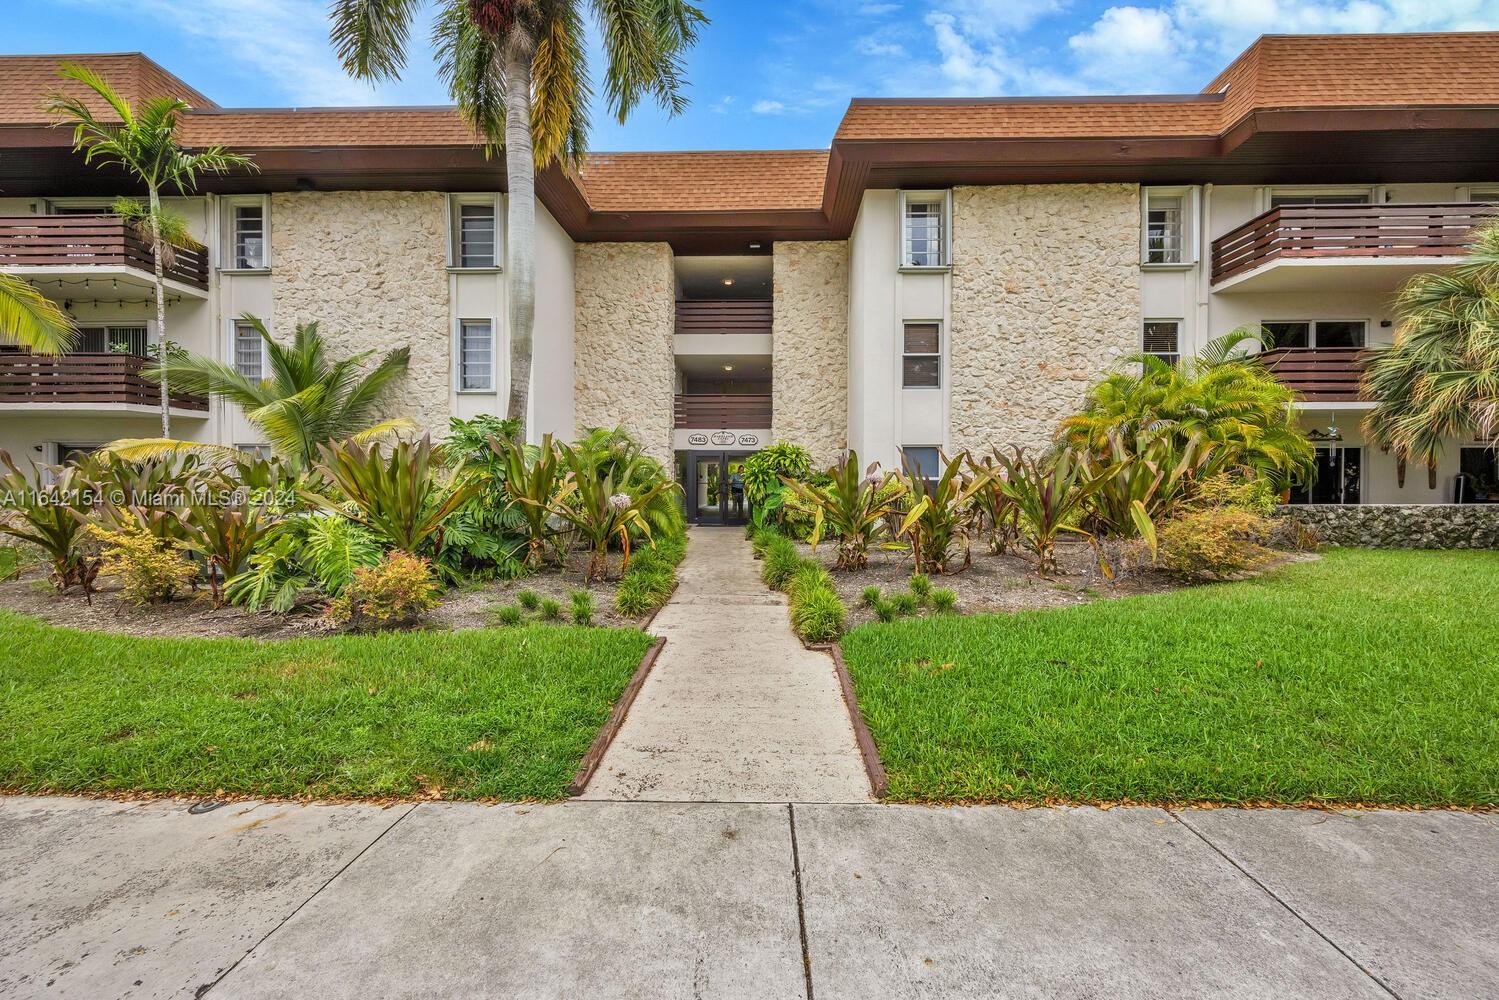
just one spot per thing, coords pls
(506, 616)
(944, 600)
(817, 614)
(781, 561)
(582, 607)
(872, 595)
(551, 609)
(528, 599)
(921, 586)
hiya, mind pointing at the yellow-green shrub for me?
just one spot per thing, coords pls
(1214, 542)
(149, 569)
(393, 594)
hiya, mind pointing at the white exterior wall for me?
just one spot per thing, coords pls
(883, 417)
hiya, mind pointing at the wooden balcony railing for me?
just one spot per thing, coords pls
(74, 241)
(1349, 231)
(1319, 374)
(84, 378)
(737, 411)
(723, 315)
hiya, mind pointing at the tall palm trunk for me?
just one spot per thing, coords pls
(161, 310)
(520, 202)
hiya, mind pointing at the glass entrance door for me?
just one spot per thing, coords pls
(715, 488)
(1337, 478)
(707, 490)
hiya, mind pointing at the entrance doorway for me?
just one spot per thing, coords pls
(713, 482)
(1337, 479)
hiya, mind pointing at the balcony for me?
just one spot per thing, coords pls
(723, 327)
(1351, 247)
(1319, 374)
(86, 383)
(57, 248)
(729, 411)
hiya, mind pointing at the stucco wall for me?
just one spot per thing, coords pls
(1045, 299)
(369, 266)
(622, 348)
(1400, 526)
(809, 387)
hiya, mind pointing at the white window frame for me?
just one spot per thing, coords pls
(1311, 335)
(106, 325)
(1368, 192)
(233, 349)
(494, 356)
(455, 202)
(1470, 192)
(51, 205)
(1180, 324)
(227, 205)
(1189, 249)
(904, 354)
(935, 448)
(942, 195)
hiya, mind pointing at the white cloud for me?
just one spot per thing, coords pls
(768, 108)
(878, 9)
(991, 19)
(721, 106)
(285, 44)
(1129, 48)
(877, 49)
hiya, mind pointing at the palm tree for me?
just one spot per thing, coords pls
(517, 69)
(29, 319)
(1440, 379)
(143, 144)
(1221, 398)
(306, 402)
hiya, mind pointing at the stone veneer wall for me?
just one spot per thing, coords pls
(1400, 526)
(809, 383)
(1045, 299)
(370, 267)
(623, 368)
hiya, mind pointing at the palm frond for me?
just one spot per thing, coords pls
(29, 319)
(370, 36)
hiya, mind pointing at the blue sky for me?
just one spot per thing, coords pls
(765, 74)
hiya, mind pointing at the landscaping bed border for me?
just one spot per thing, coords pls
(874, 768)
(595, 755)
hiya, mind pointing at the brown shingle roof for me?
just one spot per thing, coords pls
(1028, 118)
(705, 181)
(25, 82)
(1353, 71)
(301, 127)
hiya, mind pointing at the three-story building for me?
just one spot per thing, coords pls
(950, 273)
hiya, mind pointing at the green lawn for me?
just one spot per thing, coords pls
(492, 713)
(1361, 677)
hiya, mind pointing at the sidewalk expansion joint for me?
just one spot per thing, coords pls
(1286, 906)
(204, 990)
(801, 909)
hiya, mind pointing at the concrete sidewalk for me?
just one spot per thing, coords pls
(607, 900)
(735, 709)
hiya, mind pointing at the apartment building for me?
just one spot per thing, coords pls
(948, 274)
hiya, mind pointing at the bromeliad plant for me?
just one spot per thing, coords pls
(50, 510)
(937, 515)
(533, 476)
(399, 497)
(593, 499)
(1050, 496)
(853, 507)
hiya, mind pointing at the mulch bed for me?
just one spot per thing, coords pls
(194, 616)
(1005, 583)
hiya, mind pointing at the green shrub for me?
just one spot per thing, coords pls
(1226, 489)
(872, 595)
(884, 610)
(393, 594)
(781, 560)
(809, 575)
(905, 604)
(921, 586)
(582, 607)
(149, 569)
(763, 539)
(551, 609)
(817, 615)
(507, 615)
(944, 600)
(1214, 542)
(635, 597)
(528, 599)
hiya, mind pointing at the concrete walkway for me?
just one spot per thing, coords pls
(646, 900)
(735, 709)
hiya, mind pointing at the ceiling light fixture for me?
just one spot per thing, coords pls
(728, 368)
(728, 281)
